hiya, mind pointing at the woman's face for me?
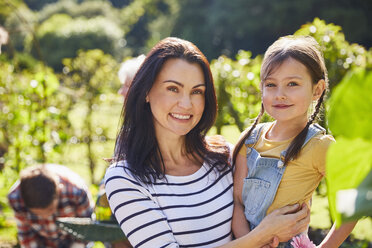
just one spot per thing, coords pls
(177, 97)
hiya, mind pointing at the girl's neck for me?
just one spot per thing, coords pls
(283, 131)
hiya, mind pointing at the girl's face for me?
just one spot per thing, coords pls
(288, 92)
(177, 97)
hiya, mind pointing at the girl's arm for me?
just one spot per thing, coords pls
(335, 237)
(240, 225)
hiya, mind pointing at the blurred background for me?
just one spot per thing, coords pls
(59, 62)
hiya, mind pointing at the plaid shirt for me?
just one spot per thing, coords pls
(74, 201)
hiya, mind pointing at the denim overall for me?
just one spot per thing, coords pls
(264, 176)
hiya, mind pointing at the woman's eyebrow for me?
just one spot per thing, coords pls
(181, 84)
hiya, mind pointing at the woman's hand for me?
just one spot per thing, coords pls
(274, 243)
(286, 222)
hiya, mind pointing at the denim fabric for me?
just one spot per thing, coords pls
(264, 176)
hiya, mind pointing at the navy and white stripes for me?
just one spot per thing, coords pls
(181, 211)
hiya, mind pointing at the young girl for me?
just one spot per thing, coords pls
(282, 162)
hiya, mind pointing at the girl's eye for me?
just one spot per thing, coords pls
(172, 88)
(292, 84)
(269, 85)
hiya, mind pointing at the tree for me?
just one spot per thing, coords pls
(62, 36)
(224, 27)
(91, 76)
(237, 85)
(33, 113)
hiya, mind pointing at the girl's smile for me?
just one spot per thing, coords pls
(288, 92)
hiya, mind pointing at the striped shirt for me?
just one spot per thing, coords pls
(179, 211)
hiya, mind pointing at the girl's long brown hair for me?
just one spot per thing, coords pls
(305, 50)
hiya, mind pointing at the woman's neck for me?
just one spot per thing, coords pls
(176, 160)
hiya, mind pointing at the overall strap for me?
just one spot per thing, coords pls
(253, 138)
(314, 129)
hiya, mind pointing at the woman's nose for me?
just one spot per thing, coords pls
(185, 102)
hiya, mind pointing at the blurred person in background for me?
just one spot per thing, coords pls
(127, 71)
(41, 195)
(3, 37)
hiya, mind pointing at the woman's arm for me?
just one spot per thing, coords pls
(282, 223)
(240, 225)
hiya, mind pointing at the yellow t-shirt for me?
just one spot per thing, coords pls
(302, 175)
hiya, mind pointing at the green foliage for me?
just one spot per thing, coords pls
(340, 55)
(349, 161)
(222, 27)
(6, 7)
(145, 22)
(19, 23)
(61, 37)
(88, 9)
(32, 114)
(38, 4)
(237, 85)
(33, 122)
(91, 76)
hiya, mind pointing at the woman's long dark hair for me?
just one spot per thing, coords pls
(305, 50)
(137, 143)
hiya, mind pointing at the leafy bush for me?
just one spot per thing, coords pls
(61, 37)
(20, 26)
(87, 9)
(33, 113)
(339, 54)
(91, 78)
(237, 85)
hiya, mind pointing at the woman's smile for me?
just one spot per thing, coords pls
(181, 116)
(177, 97)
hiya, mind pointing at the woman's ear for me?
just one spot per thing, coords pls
(318, 89)
(147, 98)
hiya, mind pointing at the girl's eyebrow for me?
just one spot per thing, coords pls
(181, 84)
(289, 77)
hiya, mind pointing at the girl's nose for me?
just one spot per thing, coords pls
(280, 94)
(281, 97)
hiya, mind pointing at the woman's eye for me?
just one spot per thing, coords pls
(172, 88)
(197, 92)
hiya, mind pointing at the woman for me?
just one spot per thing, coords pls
(169, 186)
